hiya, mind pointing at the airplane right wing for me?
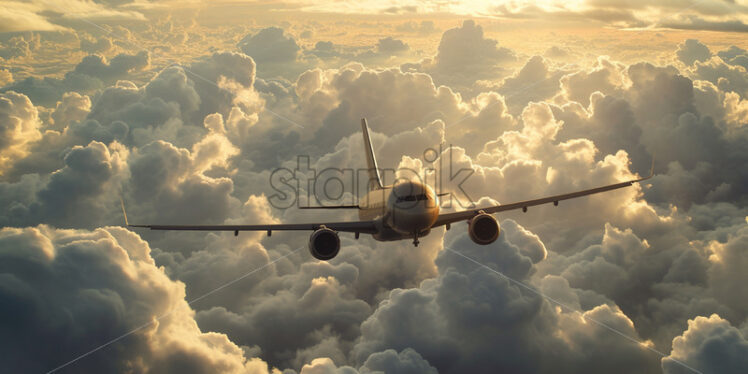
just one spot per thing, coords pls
(447, 218)
(367, 227)
(355, 226)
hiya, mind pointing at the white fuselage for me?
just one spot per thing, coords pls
(403, 210)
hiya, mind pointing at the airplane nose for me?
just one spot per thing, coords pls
(414, 207)
(408, 220)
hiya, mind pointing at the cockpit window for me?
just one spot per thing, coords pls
(412, 198)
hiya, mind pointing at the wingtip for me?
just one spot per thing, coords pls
(363, 122)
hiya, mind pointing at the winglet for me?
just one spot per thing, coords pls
(651, 171)
(122, 202)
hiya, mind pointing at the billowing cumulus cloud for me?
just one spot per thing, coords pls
(734, 56)
(691, 51)
(96, 46)
(93, 72)
(89, 287)
(19, 46)
(466, 55)
(535, 81)
(709, 345)
(72, 108)
(270, 45)
(19, 126)
(6, 77)
(390, 45)
(468, 310)
(389, 361)
(186, 121)
(606, 76)
(727, 77)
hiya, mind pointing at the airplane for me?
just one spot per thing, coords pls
(404, 210)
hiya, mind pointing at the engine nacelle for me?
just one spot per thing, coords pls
(324, 244)
(483, 229)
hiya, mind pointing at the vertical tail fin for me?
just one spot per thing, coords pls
(375, 182)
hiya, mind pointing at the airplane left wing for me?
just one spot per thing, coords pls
(447, 218)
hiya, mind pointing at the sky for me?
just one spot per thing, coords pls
(185, 110)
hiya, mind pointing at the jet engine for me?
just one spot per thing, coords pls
(483, 229)
(324, 244)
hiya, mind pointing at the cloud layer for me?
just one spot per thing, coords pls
(599, 284)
